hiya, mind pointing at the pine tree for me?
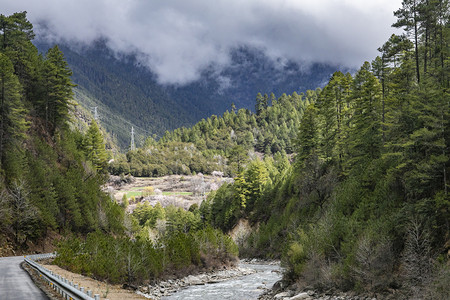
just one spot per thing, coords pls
(394, 53)
(408, 18)
(94, 147)
(16, 30)
(332, 113)
(259, 107)
(58, 85)
(241, 187)
(256, 177)
(308, 135)
(12, 124)
(365, 138)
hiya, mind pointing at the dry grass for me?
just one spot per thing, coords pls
(106, 291)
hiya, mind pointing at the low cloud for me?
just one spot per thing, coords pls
(177, 39)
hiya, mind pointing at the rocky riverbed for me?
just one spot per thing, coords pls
(169, 287)
(311, 295)
(262, 278)
(281, 290)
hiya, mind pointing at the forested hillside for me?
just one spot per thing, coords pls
(50, 175)
(124, 93)
(347, 184)
(222, 143)
(127, 93)
(365, 206)
(51, 178)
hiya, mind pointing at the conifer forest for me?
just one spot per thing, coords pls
(348, 185)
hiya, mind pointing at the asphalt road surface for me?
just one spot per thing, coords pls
(15, 283)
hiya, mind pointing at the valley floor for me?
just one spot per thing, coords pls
(177, 190)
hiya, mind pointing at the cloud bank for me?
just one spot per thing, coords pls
(177, 39)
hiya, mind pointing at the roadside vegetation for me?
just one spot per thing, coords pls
(136, 261)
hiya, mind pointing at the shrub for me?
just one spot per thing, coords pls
(148, 191)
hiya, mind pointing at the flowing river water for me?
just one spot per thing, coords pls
(242, 288)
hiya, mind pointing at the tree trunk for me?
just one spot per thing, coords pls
(416, 42)
(425, 51)
(2, 115)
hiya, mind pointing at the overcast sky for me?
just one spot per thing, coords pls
(178, 38)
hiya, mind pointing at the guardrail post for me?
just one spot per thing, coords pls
(97, 297)
(89, 293)
(82, 289)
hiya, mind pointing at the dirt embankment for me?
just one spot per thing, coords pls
(44, 245)
(105, 290)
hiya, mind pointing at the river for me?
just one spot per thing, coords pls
(245, 287)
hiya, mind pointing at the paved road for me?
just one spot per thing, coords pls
(15, 283)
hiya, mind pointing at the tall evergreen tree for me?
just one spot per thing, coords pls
(256, 178)
(58, 85)
(333, 116)
(12, 112)
(15, 42)
(15, 30)
(308, 134)
(94, 147)
(365, 133)
(408, 18)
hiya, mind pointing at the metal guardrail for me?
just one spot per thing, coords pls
(67, 289)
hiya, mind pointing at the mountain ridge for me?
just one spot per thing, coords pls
(119, 85)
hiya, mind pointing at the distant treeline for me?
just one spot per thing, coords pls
(223, 143)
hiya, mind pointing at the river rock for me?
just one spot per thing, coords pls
(194, 280)
(156, 290)
(301, 296)
(283, 295)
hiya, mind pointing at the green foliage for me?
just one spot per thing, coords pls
(366, 203)
(59, 87)
(155, 108)
(94, 147)
(225, 207)
(148, 215)
(46, 183)
(125, 201)
(307, 140)
(233, 201)
(136, 261)
(148, 191)
(222, 143)
(167, 159)
(12, 110)
(365, 137)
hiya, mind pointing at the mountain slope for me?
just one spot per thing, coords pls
(50, 180)
(129, 94)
